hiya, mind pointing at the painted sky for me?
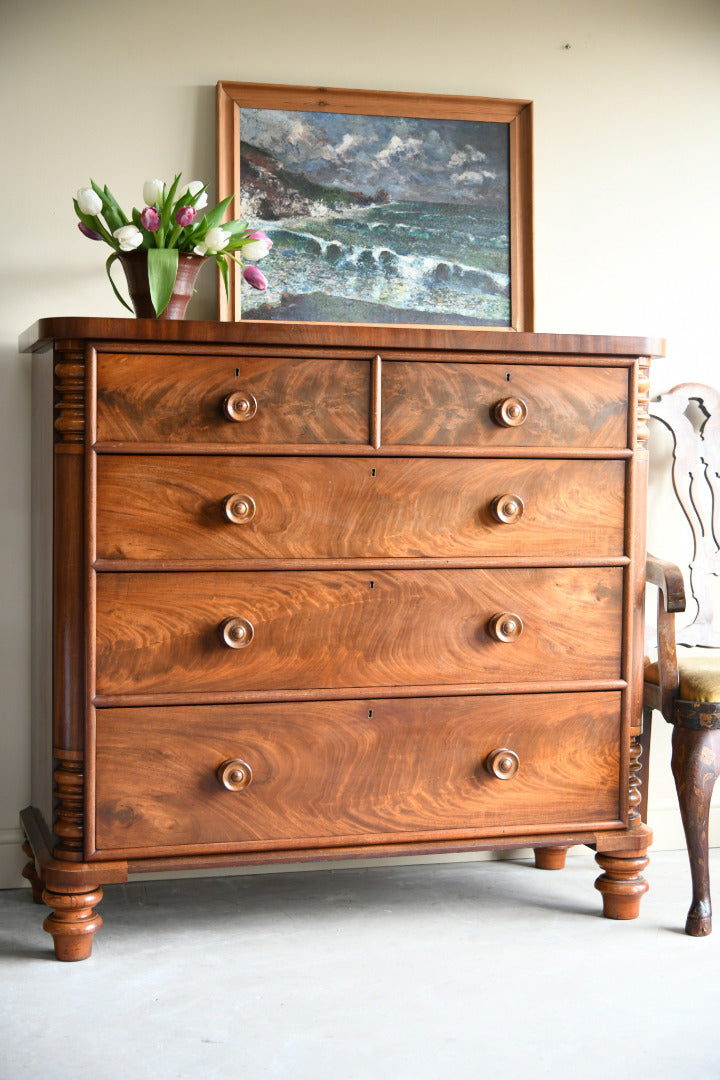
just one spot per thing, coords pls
(410, 158)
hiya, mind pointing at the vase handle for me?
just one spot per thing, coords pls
(111, 259)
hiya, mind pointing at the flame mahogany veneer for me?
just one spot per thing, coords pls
(318, 591)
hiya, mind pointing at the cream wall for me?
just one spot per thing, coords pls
(626, 164)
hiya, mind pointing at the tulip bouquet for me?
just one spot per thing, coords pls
(171, 222)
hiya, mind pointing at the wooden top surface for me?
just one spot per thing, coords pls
(346, 335)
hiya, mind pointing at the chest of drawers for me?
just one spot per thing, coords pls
(310, 592)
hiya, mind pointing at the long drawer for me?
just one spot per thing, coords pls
(234, 632)
(325, 773)
(166, 507)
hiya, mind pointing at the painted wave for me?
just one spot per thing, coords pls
(423, 269)
(441, 260)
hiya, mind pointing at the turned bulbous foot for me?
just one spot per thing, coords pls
(73, 922)
(622, 886)
(550, 858)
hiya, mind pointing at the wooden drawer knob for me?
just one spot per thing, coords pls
(239, 509)
(507, 509)
(234, 774)
(510, 412)
(502, 763)
(505, 626)
(236, 632)
(240, 406)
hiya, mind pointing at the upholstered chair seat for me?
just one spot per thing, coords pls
(699, 675)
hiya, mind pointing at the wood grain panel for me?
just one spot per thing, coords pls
(172, 508)
(159, 632)
(175, 398)
(329, 772)
(452, 404)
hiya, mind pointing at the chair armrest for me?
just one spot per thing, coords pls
(668, 578)
(671, 598)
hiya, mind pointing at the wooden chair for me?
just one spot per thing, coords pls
(684, 685)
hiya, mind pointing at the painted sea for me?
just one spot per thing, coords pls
(377, 219)
(413, 262)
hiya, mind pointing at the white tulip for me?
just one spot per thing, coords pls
(256, 249)
(215, 240)
(153, 192)
(193, 188)
(129, 236)
(89, 201)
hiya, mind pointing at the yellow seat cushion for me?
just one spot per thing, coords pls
(699, 675)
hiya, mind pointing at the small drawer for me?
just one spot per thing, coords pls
(233, 508)
(321, 774)
(193, 632)
(455, 404)
(230, 400)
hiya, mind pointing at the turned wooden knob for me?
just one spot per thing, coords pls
(507, 508)
(240, 406)
(236, 632)
(239, 509)
(234, 774)
(505, 626)
(502, 763)
(510, 412)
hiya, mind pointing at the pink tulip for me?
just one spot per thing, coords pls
(87, 231)
(185, 215)
(256, 246)
(260, 235)
(150, 219)
(255, 277)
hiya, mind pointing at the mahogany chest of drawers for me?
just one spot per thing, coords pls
(310, 591)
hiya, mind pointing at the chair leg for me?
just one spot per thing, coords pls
(696, 766)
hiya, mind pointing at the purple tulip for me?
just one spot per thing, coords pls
(87, 231)
(185, 215)
(255, 277)
(150, 219)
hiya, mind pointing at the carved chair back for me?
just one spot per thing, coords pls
(691, 412)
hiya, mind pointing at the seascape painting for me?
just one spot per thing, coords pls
(388, 219)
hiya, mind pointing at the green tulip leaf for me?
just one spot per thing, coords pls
(162, 266)
(236, 227)
(216, 214)
(224, 273)
(168, 204)
(117, 208)
(111, 211)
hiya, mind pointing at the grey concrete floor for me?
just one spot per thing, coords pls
(462, 970)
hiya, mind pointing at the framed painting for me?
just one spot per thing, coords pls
(383, 207)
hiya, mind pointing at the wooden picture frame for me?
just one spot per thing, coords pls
(447, 239)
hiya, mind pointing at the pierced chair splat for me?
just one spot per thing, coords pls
(685, 686)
